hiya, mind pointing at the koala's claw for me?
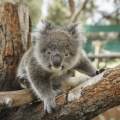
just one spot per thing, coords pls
(49, 105)
(101, 70)
(21, 80)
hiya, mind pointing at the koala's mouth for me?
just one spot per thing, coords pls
(53, 67)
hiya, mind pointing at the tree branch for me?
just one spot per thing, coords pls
(84, 102)
(71, 3)
(16, 98)
(111, 55)
(77, 12)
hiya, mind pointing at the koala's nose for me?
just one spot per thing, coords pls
(56, 60)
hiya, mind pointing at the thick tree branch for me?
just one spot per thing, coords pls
(95, 96)
(77, 12)
(16, 98)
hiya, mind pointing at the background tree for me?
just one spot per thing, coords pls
(58, 11)
(34, 8)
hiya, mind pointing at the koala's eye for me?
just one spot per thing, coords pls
(48, 52)
(66, 54)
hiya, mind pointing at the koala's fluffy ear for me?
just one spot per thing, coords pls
(76, 31)
(42, 28)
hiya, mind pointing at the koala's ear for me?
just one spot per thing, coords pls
(43, 26)
(76, 32)
(75, 28)
(41, 30)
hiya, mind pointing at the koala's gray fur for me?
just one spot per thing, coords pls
(46, 72)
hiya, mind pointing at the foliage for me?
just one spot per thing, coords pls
(58, 12)
(99, 15)
(113, 17)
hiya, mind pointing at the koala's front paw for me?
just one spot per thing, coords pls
(49, 104)
(101, 70)
(21, 79)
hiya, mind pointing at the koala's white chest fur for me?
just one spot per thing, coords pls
(58, 73)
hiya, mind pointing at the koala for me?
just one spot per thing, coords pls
(48, 64)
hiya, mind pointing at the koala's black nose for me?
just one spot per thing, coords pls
(56, 60)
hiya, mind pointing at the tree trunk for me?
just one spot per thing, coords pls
(15, 39)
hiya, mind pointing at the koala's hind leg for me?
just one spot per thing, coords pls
(72, 82)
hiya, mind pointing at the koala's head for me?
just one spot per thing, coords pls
(58, 48)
